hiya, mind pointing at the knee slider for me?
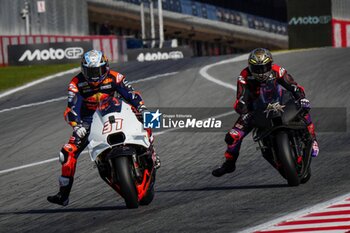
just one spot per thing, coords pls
(232, 137)
(67, 150)
(63, 157)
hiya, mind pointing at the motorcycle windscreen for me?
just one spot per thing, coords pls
(109, 105)
(272, 93)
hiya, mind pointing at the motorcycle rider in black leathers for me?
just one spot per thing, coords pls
(260, 70)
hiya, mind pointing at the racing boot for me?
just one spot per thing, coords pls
(315, 149)
(157, 162)
(155, 158)
(228, 166)
(311, 128)
(62, 197)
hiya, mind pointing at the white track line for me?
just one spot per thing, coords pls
(153, 77)
(33, 104)
(28, 165)
(204, 71)
(64, 97)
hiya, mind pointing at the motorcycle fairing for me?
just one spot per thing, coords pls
(129, 125)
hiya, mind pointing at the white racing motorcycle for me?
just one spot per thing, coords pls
(121, 149)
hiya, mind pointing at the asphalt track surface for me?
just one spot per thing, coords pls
(188, 198)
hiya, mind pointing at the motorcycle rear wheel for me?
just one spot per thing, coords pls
(127, 184)
(285, 155)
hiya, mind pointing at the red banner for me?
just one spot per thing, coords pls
(341, 33)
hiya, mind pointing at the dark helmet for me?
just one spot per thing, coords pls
(94, 66)
(260, 63)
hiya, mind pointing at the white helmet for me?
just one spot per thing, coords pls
(94, 66)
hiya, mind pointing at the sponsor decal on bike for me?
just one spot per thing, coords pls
(275, 107)
(109, 126)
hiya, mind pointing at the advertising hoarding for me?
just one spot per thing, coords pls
(48, 53)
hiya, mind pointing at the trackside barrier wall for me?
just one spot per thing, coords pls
(113, 46)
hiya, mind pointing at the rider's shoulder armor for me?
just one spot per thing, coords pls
(280, 71)
(118, 77)
(74, 84)
(242, 78)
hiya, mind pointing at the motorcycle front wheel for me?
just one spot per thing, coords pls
(285, 155)
(127, 184)
(148, 198)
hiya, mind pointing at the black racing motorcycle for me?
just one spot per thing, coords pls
(282, 134)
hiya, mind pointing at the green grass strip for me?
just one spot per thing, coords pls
(14, 76)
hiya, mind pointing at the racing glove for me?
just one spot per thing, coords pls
(305, 104)
(140, 110)
(80, 130)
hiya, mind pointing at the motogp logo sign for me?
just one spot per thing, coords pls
(159, 56)
(310, 20)
(52, 54)
(47, 53)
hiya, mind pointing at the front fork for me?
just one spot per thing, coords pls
(109, 180)
(297, 150)
(269, 153)
(137, 169)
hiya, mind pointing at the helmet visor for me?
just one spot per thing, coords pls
(260, 69)
(95, 74)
